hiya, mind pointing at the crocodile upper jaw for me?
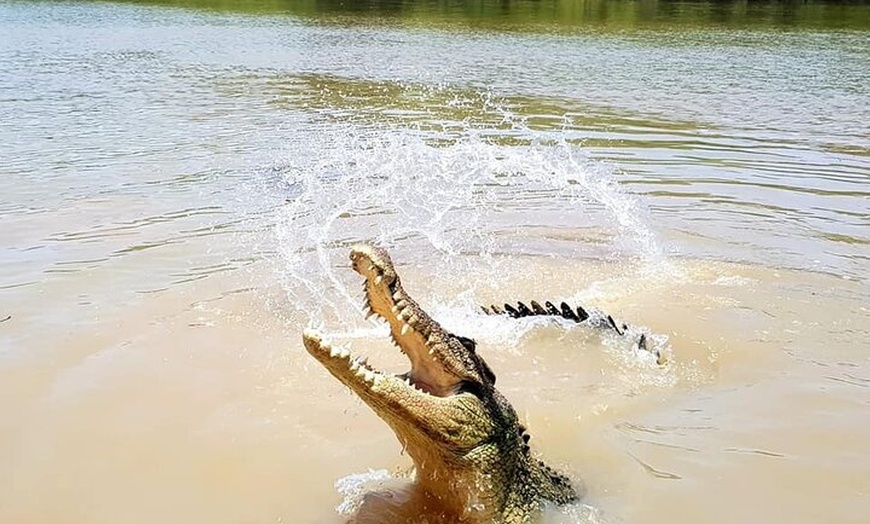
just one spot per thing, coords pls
(419, 337)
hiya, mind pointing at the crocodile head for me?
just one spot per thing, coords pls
(469, 449)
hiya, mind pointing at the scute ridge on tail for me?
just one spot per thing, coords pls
(577, 315)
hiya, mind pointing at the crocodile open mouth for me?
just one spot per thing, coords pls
(431, 350)
(421, 339)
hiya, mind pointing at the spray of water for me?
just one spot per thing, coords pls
(432, 200)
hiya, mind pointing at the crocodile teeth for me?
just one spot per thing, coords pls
(394, 309)
(397, 296)
(379, 279)
(405, 329)
(369, 376)
(371, 267)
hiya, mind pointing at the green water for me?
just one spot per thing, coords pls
(568, 16)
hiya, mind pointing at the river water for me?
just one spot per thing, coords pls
(181, 183)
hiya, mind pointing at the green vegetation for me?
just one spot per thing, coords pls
(560, 15)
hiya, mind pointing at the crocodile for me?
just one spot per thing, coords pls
(470, 452)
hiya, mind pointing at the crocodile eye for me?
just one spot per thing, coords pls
(473, 388)
(483, 367)
(469, 343)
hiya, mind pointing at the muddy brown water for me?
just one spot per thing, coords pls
(181, 183)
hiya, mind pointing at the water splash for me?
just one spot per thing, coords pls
(577, 513)
(432, 200)
(354, 487)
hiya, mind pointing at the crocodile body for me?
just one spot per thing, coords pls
(470, 452)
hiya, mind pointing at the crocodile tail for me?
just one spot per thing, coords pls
(535, 309)
(578, 314)
(563, 310)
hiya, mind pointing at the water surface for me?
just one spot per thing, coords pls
(181, 183)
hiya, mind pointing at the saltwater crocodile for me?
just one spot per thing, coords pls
(470, 452)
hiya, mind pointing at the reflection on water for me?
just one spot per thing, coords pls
(180, 187)
(533, 15)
